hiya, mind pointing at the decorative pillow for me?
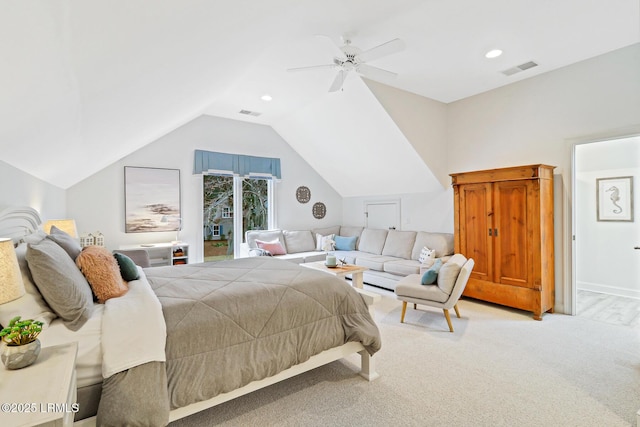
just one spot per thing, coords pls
(66, 242)
(128, 268)
(60, 282)
(429, 277)
(346, 243)
(274, 247)
(102, 272)
(325, 243)
(426, 254)
(31, 305)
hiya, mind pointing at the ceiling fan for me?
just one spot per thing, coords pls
(351, 58)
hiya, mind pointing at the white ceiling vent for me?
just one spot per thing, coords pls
(249, 113)
(518, 68)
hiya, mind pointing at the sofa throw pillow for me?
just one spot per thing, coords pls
(346, 243)
(325, 243)
(128, 268)
(426, 254)
(66, 242)
(274, 247)
(429, 277)
(102, 272)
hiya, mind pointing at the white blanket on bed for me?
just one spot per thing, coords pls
(133, 329)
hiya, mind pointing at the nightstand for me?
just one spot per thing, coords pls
(43, 394)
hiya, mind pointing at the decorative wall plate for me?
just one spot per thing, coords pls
(303, 194)
(319, 210)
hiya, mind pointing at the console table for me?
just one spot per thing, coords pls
(173, 253)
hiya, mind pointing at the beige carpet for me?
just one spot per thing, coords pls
(500, 368)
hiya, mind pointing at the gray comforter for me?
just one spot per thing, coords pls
(233, 322)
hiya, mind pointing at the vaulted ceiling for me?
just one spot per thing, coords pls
(83, 83)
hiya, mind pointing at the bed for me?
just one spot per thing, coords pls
(186, 338)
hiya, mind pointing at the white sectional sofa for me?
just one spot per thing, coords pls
(389, 255)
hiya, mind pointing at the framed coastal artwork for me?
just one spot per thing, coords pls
(615, 198)
(152, 199)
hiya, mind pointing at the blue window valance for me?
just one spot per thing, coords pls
(236, 164)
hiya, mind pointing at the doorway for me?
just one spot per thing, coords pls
(231, 206)
(606, 178)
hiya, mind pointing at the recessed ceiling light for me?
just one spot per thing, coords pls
(493, 53)
(266, 97)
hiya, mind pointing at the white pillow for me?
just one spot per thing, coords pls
(31, 305)
(427, 254)
(325, 243)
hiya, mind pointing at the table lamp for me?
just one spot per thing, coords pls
(11, 285)
(66, 225)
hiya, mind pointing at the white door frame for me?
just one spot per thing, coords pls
(570, 293)
(395, 202)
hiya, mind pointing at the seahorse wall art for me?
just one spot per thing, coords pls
(615, 198)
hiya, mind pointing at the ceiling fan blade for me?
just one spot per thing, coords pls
(338, 81)
(375, 73)
(392, 46)
(312, 67)
(336, 47)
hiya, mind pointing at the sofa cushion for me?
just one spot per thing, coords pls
(402, 267)
(442, 243)
(374, 262)
(448, 274)
(372, 240)
(399, 243)
(411, 287)
(350, 231)
(265, 235)
(298, 241)
(347, 256)
(346, 243)
(326, 231)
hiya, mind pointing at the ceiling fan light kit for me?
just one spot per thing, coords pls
(355, 59)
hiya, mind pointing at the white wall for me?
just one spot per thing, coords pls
(97, 203)
(418, 212)
(533, 120)
(22, 189)
(605, 258)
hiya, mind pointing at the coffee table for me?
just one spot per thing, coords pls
(340, 271)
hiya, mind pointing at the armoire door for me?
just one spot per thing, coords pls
(475, 223)
(513, 232)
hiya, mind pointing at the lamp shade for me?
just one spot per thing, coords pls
(66, 225)
(11, 286)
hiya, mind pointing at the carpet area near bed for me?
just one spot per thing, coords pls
(499, 368)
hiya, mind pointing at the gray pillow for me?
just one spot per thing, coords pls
(66, 242)
(60, 282)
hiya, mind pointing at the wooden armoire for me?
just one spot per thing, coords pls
(504, 221)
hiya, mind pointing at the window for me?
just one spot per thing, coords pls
(224, 195)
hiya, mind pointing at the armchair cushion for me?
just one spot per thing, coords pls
(449, 273)
(410, 288)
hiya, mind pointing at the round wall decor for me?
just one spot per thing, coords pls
(303, 194)
(319, 210)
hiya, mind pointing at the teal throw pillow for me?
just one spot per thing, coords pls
(345, 243)
(128, 268)
(429, 277)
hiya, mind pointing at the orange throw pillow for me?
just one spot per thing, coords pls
(102, 272)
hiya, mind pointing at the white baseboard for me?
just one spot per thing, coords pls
(606, 289)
